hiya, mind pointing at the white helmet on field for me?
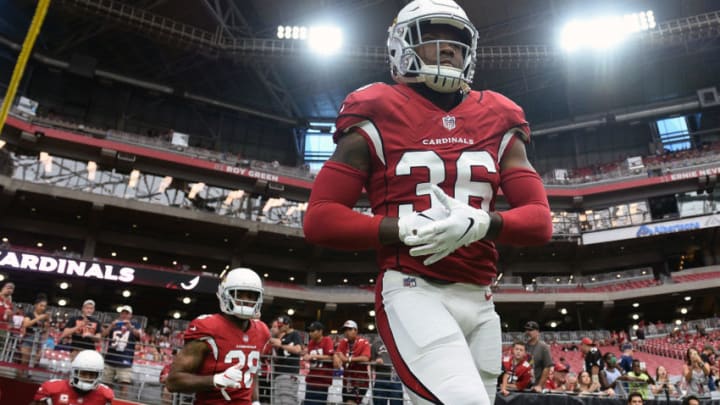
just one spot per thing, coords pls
(405, 35)
(89, 361)
(236, 281)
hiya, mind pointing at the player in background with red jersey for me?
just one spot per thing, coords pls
(83, 387)
(432, 155)
(221, 356)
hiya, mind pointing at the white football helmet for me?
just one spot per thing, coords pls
(405, 35)
(90, 361)
(237, 280)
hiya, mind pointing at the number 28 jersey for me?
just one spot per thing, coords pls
(414, 144)
(229, 345)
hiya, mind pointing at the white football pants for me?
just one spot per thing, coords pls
(444, 339)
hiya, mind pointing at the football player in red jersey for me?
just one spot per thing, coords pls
(221, 356)
(432, 155)
(83, 388)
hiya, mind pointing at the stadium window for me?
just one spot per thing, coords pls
(319, 144)
(674, 133)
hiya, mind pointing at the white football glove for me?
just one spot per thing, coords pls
(230, 378)
(462, 226)
(409, 224)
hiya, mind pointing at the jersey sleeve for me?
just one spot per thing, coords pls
(46, 390)
(512, 113)
(327, 346)
(342, 346)
(43, 392)
(358, 106)
(198, 328)
(106, 392)
(365, 348)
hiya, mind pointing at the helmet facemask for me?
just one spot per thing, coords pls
(80, 380)
(233, 302)
(407, 66)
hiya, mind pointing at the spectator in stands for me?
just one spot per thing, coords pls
(709, 357)
(387, 386)
(635, 398)
(83, 387)
(287, 350)
(663, 386)
(6, 311)
(638, 379)
(626, 358)
(610, 374)
(691, 400)
(593, 358)
(585, 384)
(540, 357)
(84, 329)
(319, 354)
(558, 381)
(517, 370)
(34, 326)
(352, 355)
(695, 372)
(123, 334)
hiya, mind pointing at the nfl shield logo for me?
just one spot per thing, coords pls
(409, 282)
(449, 122)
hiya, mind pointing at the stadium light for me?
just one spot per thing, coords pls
(553, 324)
(635, 327)
(683, 311)
(134, 177)
(2, 277)
(46, 160)
(91, 169)
(372, 312)
(601, 33)
(164, 184)
(195, 189)
(318, 281)
(64, 285)
(636, 304)
(291, 312)
(62, 302)
(2, 143)
(635, 316)
(113, 254)
(292, 32)
(687, 297)
(563, 311)
(176, 315)
(678, 322)
(5, 239)
(186, 300)
(126, 293)
(325, 40)
(371, 327)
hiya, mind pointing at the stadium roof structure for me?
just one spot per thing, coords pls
(227, 51)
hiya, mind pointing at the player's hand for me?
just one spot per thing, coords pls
(408, 225)
(230, 378)
(463, 226)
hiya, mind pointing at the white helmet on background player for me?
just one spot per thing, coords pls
(405, 35)
(89, 361)
(236, 281)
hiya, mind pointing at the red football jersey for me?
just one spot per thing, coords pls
(520, 374)
(356, 374)
(320, 371)
(60, 392)
(414, 144)
(229, 345)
